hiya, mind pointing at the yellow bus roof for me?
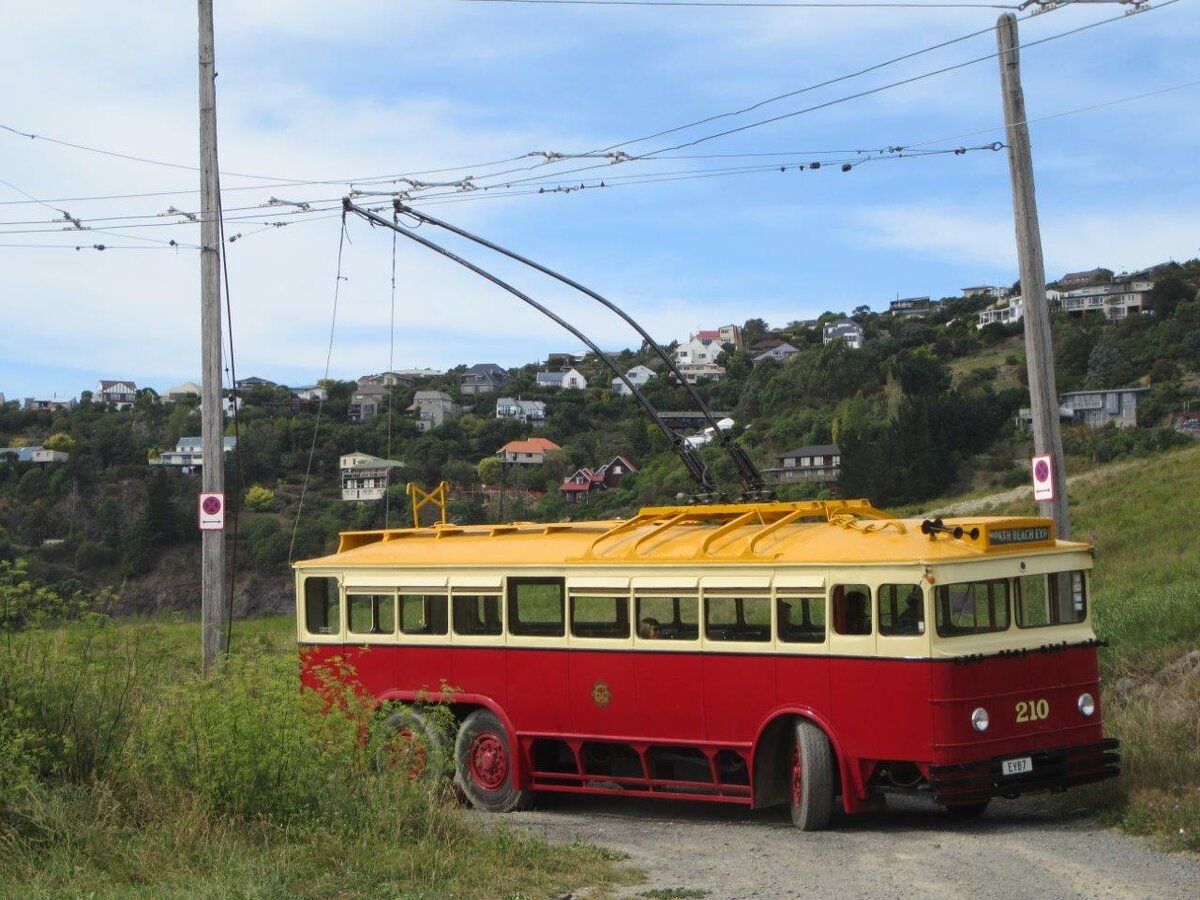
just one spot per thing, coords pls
(814, 532)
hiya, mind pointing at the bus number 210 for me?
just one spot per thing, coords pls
(1032, 710)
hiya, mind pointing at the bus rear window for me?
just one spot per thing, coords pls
(1055, 599)
(973, 607)
(321, 602)
(477, 614)
(535, 607)
(600, 617)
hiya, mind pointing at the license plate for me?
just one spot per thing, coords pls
(1016, 766)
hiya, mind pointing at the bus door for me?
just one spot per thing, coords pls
(899, 694)
(477, 635)
(739, 670)
(668, 671)
(536, 656)
(424, 613)
(854, 676)
(600, 677)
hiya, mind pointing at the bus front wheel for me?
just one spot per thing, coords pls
(811, 777)
(484, 769)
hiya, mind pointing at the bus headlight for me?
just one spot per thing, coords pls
(979, 719)
(1086, 704)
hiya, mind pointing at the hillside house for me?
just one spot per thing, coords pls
(366, 403)
(34, 454)
(816, 462)
(529, 452)
(366, 477)
(1117, 300)
(983, 290)
(244, 385)
(570, 379)
(189, 453)
(531, 412)
(911, 307)
(182, 391)
(1006, 314)
(1079, 279)
(388, 379)
(482, 378)
(49, 404)
(781, 351)
(1098, 408)
(433, 409)
(583, 483)
(314, 392)
(843, 330)
(697, 361)
(120, 394)
(638, 375)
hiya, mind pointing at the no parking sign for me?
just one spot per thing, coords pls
(1043, 478)
(212, 512)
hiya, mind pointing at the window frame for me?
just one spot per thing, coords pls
(428, 637)
(513, 627)
(334, 636)
(1018, 598)
(371, 637)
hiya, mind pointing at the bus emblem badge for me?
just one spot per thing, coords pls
(601, 694)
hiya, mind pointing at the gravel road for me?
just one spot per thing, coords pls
(1018, 849)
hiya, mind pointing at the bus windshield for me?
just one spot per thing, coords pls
(972, 607)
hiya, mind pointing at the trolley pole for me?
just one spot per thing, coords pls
(1039, 349)
(214, 604)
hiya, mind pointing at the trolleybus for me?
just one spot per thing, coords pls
(802, 653)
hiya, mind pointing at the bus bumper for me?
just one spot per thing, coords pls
(1052, 770)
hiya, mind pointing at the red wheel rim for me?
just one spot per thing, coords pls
(487, 761)
(797, 777)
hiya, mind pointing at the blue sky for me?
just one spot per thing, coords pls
(319, 92)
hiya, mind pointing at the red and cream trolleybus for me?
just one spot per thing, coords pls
(757, 653)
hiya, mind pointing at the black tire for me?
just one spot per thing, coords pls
(484, 765)
(968, 810)
(811, 777)
(409, 743)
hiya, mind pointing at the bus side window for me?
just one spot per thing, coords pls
(321, 606)
(600, 617)
(737, 618)
(901, 609)
(667, 618)
(800, 620)
(371, 613)
(423, 614)
(852, 609)
(535, 607)
(477, 614)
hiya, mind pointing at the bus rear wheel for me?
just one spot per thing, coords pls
(410, 744)
(484, 764)
(811, 777)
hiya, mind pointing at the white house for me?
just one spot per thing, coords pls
(697, 361)
(187, 389)
(571, 379)
(189, 453)
(638, 376)
(532, 412)
(1121, 298)
(1007, 314)
(843, 330)
(366, 477)
(119, 393)
(780, 352)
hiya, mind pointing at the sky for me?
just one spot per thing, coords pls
(316, 100)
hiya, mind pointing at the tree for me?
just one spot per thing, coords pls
(490, 470)
(1168, 292)
(260, 498)
(60, 441)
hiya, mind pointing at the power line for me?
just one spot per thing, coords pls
(761, 4)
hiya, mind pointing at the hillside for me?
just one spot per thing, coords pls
(926, 408)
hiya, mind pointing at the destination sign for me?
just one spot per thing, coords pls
(1032, 535)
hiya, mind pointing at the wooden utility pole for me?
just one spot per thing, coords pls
(1039, 348)
(214, 606)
